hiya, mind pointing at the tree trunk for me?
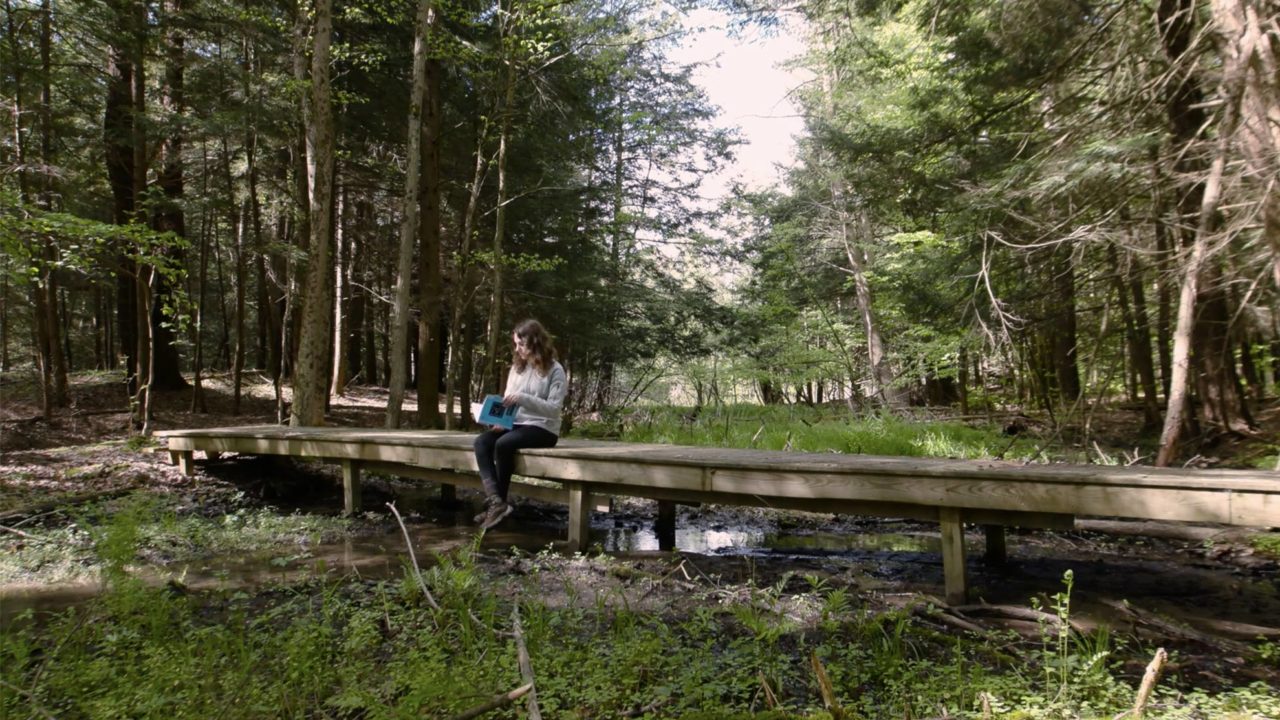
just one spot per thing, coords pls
(197, 323)
(409, 220)
(166, 372)
(1222, 401)
(1140, 348)
(342, 298)
(60, 359)
(266, 306)
(1165, 270)
(142, 278)
(358, 282)
(459, 337)
(39, 328)
(1247, 40)
(311, 376)
(1063, 336)
(242, 273)
(496, 337)
(1249, 370)
(118, 137)
(47, 184)
(881, 373)
(430, 281)
(5, 309)
(1188, 329)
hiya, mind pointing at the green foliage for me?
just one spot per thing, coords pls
(1268, 543)
(365, 648)
(41, 242)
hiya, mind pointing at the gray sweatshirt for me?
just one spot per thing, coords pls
(540, 396)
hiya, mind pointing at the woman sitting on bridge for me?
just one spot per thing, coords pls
(536, 387)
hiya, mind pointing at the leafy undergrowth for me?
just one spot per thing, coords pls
(800, 648)
(1268, 543)
(64, 547)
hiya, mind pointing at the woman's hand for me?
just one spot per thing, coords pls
(511, 400)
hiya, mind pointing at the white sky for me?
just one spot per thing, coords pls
(744, 79)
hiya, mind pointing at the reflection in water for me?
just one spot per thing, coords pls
(385, 556)
(694, 540)
(746, 540)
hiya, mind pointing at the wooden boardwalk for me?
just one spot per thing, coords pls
(951, 492)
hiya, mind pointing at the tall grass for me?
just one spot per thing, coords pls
(804, 429)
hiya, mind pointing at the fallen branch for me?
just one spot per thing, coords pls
(495, 703)
(417, 571)
(90, 413)
(62, 502)
(1149, 680)
(24, 535)
(937, 608)
(526, 665)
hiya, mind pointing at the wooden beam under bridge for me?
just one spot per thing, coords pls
(950, 492)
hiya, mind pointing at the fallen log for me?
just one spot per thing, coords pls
(1173, 631)
(1013, 612)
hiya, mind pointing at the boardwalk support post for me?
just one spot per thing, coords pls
(953, 567)
(185, 460)
(350, 487)
(997, 551)
(579, 516)
(665, 525)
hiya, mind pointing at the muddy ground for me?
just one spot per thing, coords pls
(1204, 593)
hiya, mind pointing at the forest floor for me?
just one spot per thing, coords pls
(1209, 595)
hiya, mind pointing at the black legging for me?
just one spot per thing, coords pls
(496, 454)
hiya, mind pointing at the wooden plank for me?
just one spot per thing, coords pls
(619, 473)
(451, 479)
(579, 517)
(1193, 505)
(953, 567)
(1255, 510)
(350, 487)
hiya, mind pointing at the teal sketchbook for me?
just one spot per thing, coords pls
(493, 412)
